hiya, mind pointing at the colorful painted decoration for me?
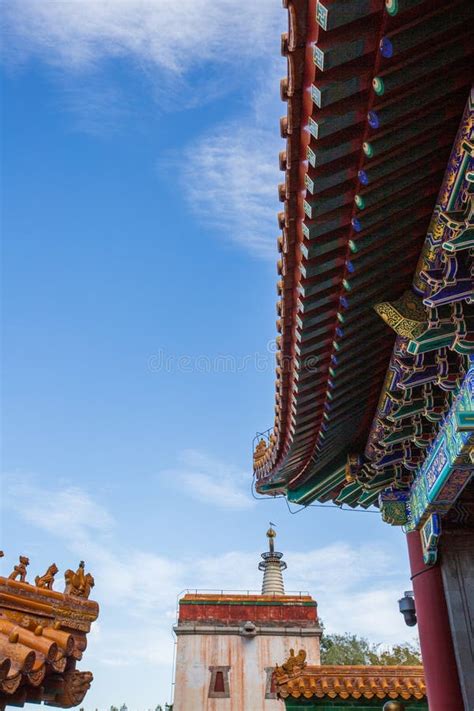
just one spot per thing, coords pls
(430, 533)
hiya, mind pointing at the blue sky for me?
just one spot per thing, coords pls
(140, 148)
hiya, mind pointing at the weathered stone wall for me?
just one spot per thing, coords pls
(248, 659)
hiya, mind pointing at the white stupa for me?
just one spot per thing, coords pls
(273, 567)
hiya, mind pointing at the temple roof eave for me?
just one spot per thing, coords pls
(318, 417)
(42, 636)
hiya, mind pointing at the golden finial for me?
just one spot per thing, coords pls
(271, 534)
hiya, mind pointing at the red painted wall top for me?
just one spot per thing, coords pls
(266, 609)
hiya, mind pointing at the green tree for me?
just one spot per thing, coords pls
(344, 649)
(350, 649)
(400, 654)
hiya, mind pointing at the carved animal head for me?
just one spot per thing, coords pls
(24, 560)
(75, 688)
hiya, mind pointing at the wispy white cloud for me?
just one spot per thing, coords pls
(356, 587)
(175, 36)
(96, 107)
(69, 512)
(187, 53)
(205, 478)
(230, 177)
(230, 174)
(89, 530)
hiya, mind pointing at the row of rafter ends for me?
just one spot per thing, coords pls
(355, 682)
(341, 388)
(27, 655)
(288, 225)
(285, 160)
(325, 265)
(292, 46)
(425, 373)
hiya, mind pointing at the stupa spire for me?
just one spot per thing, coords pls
(272, 566)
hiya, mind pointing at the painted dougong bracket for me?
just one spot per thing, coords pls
(394, 506)
(447, 469)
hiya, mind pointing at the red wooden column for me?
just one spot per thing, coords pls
(441, 674)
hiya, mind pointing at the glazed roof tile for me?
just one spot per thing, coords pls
(353, 682)
(27, 653)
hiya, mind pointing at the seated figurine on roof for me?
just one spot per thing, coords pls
(19, 571)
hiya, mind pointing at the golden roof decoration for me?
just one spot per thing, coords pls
(78, 583)
(47, 580)
(19, 571)
(294, 664)
(260, 451)
(407, 315)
